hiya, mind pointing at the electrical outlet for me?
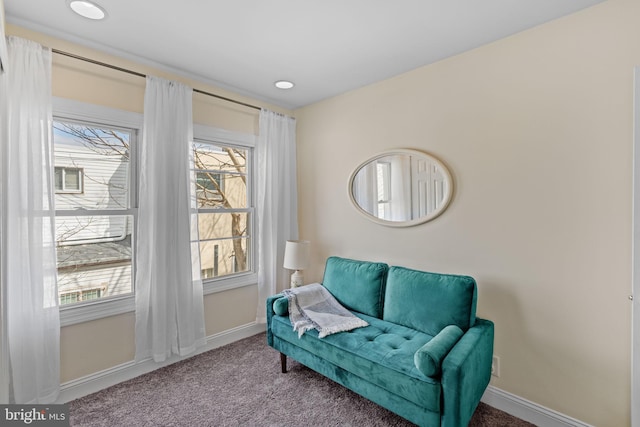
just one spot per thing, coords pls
(495, 366)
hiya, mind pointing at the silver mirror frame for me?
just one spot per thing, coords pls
(448, 194)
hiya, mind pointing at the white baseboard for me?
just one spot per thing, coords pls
(92, 383)
(527, 410)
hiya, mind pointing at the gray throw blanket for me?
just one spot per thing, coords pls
(312, 306)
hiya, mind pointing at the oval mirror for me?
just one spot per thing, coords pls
(401, 188)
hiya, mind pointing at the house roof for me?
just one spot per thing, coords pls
(93, 254)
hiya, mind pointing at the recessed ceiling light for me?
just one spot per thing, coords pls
(87, 9)
(284, 84)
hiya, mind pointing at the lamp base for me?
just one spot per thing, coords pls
(297, 279)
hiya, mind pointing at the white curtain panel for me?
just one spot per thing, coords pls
(29, 298)
(169, 300)
(3, 44)
(277, 202)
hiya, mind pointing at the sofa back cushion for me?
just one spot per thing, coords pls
(357, 285)
(429, 301)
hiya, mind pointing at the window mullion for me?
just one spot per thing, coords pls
(97, 212)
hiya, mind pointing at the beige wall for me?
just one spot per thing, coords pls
(537, 130)
(94, 346)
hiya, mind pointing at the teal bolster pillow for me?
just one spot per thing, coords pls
(281, 306)
(357, 285)
(428, 359)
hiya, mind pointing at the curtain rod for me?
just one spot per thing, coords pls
(135, 73)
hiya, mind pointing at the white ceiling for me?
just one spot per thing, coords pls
(326, 47)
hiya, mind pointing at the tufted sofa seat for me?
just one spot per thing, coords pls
(382, 353)
(424, 355)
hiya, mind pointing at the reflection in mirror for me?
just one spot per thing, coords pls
(401, 188)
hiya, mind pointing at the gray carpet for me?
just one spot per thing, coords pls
(241, 385)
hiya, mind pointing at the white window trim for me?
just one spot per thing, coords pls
(222, 136)
(112, 306)
(81, 111)
(96, 309)
(225, 137)
(77, 110)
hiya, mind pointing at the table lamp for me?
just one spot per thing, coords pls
(296, 257)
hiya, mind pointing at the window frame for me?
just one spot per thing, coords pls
(217, 136)
(91, 113)
(71, 110)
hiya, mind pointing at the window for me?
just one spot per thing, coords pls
(209, 187)
(77, 296)
(95, 227)
(68, 180)
(383, 175)
(95, 209)
(69, 297)
(223, 176)
(207, 273)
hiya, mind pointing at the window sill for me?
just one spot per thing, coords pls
(96, 310)
(212, 286)
(100, 309)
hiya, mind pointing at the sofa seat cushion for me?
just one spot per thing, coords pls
(381, 353)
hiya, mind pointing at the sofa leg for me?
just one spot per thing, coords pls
(283, 363)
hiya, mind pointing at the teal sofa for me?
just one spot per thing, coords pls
(425, 355)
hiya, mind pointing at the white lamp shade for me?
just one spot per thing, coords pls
(296, 254)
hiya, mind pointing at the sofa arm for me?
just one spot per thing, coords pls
(270, 314)
(428, 358)
(466, 372)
